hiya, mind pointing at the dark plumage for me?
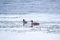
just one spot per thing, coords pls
(34, 23)
(24, 22)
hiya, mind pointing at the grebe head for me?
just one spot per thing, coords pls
(31, 20)
(23, 19)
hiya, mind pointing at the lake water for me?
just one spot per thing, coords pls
(48, 22)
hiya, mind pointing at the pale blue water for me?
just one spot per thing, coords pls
(48, 22)
(44, 26)
(29, 6)
(13, 11)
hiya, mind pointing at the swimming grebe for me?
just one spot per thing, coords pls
(24, 22)
(34, 23)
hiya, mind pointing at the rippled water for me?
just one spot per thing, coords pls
(18, 26)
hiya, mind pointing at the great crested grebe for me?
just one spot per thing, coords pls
(34, 23)
(24, 22)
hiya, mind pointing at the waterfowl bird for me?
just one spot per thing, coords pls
(34, 23)
(24, 22)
